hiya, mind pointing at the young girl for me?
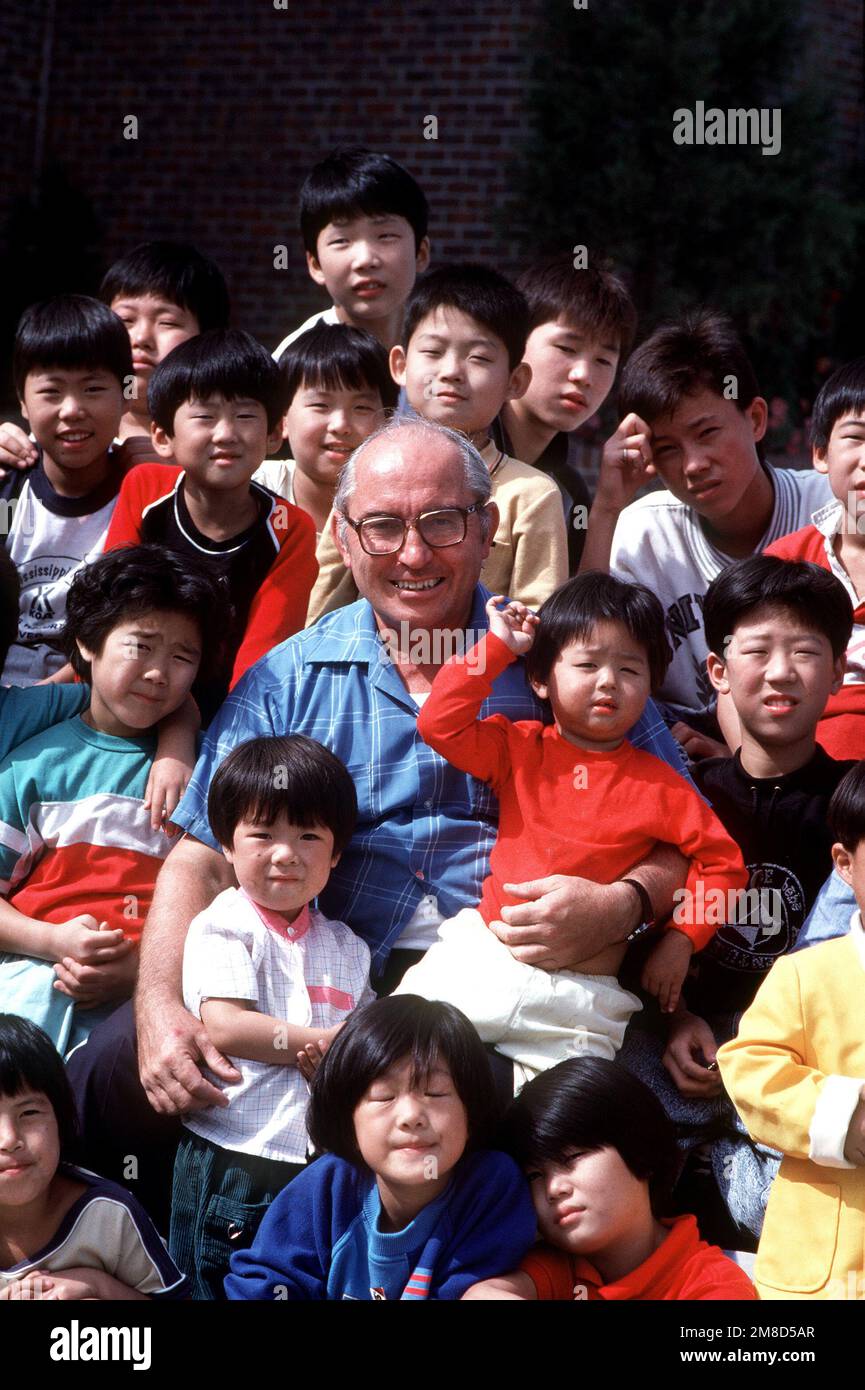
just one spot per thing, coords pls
(600, 1157)
(406, 1203)
(64, 1233)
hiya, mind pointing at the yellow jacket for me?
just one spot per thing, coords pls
(528, 558)
(794, 1073)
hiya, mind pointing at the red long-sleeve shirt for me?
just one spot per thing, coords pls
(570, 810)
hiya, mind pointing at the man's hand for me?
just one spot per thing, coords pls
(690, 1054)
(514, 624)
(558, 925)
(854, 1144)
(94, 984)
(666, 967)
(626, 464)
(16, 450)
(173, 1046)
(698, 745)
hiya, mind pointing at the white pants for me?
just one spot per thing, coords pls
(536, 1017)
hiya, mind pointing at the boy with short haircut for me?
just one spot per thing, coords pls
(796, 1074)
(79, 855)
(70, 362)
(693, 384)
(581, 326)
(217, 402)
(164, 292)
(363, 219)
(465, 332)
(270, 977)
(835, 539)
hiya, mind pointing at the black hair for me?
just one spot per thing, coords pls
(143, 579)
(355, 180)
(843, 393)
(29, 1061)
(381, 1035)
(814, 595)
(74, 331)
(223, 362)
(701, 351)
(292, 776)
(337, 357)
(479, 292)
(591, 1103)
(10, 594)
(173, 271)
(846, 813)
(592, 300)
(571, 613)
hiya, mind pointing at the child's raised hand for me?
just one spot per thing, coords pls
(168, 780)
(17, 450)
(854, 1144)
(626, 464)
(310, 1058)
(514, 624)
(665, 970)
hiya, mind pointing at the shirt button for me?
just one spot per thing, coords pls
(428, 804)
(419, 875)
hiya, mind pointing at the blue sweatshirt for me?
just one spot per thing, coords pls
(321, 1237)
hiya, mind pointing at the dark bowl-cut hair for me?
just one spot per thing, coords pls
(481, 293)
(379, 1036)
(72, 331)
(846, 813)
(700, 351)
(10, 593)
(810, 592)
(572, 612)
(293, 776)
(29, 1061)
(338, 357)
(223, 362)
(144, 579)
(593, 300)
(173, 271)
(591, 1103)
(355, 180)
(843, 393)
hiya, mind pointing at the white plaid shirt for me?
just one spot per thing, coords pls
(311, 973)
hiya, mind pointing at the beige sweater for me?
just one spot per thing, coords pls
(528, 558)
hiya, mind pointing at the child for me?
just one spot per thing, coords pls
(693, 384)
(574, 798)
(599, 1154)
(78, 854)
(338, 388)
(363, 219)
(64, 1232)
(217, 401)
(581, 326)
(71, 359)
(406, 1203)
(795, 1074)
(465, 333)
(164, 292)
(267, 974)
(835, 539)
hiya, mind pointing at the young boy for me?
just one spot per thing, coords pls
(465, 333)
(795, 1073)
(268, 975)
(78, 853)
(363, 219)
(581, 326)
(71, 359)
(835, 539)
(338, 387)
(164, 292)
(691, 382)
(574, 798)
(217, 402)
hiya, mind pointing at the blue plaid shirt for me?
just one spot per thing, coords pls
(423, 826)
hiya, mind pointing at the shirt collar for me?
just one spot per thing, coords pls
(289, 931)
(656, 1273)
(351, 633)
(828, 518)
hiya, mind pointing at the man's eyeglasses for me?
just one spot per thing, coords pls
(385, 535)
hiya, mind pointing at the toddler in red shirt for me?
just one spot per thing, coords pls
(574, 798)
(600, 1157)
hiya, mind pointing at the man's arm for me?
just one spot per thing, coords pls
(172, 1043)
